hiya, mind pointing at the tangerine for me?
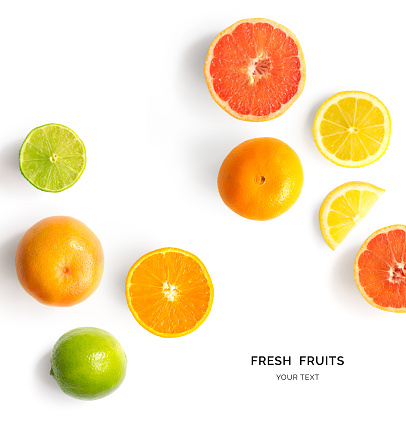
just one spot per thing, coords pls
(261, 178)
(59, 261)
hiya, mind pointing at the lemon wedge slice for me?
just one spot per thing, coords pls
(344, 208)
(352, 129)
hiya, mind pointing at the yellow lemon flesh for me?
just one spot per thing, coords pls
(352, 129)
(344, 208)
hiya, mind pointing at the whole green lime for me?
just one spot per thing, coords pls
(88, 363)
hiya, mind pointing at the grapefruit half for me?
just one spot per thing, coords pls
(380, 269)
(255, 69)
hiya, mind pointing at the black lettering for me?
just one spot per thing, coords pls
(320, 362)
(254, 359)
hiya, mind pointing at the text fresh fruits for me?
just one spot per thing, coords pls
(88, 363)
(59, 261)
(52, 158)
(169, 292)
(352, 129)
(255, 69)
(344, 208)
(380, 269)
(261, 178)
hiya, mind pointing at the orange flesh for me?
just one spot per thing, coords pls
(256, 69)
(382, 269)
(169, 292)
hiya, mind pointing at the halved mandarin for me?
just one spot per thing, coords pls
(169, 292)
(255, 69)
(380, 269)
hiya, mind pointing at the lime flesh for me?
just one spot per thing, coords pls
(88, 363)
(52, 158)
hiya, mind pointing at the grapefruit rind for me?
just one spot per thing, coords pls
(357, 270)
(224, 104)
(333, 100)
(135, 314)
(332, 196)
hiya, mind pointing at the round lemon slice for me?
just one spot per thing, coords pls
(344, 208)
(352, 129)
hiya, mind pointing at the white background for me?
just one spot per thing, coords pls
(128, 78)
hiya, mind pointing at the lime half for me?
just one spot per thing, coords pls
(52, 158)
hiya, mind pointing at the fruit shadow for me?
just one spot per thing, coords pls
(206, 156)
(45, 381)
(316, 224)
(11, 179)
(312, 115)
(9, 279)
(192, 81)
(343, 285)
(121, 268)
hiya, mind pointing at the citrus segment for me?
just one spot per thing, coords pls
(169, 292)
(52, 158)
(352, 129)
(255, 69)
(380, 269)
(343, 208)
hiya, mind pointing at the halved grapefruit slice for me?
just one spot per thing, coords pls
(255, 69)
(380, 269)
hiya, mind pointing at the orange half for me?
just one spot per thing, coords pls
(169, 292)
(380, 269)
(255, 69)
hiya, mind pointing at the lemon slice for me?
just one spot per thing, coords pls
(352, 129)
(344, 208)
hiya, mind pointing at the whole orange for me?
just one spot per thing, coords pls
(59, 261)
(261, 178)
